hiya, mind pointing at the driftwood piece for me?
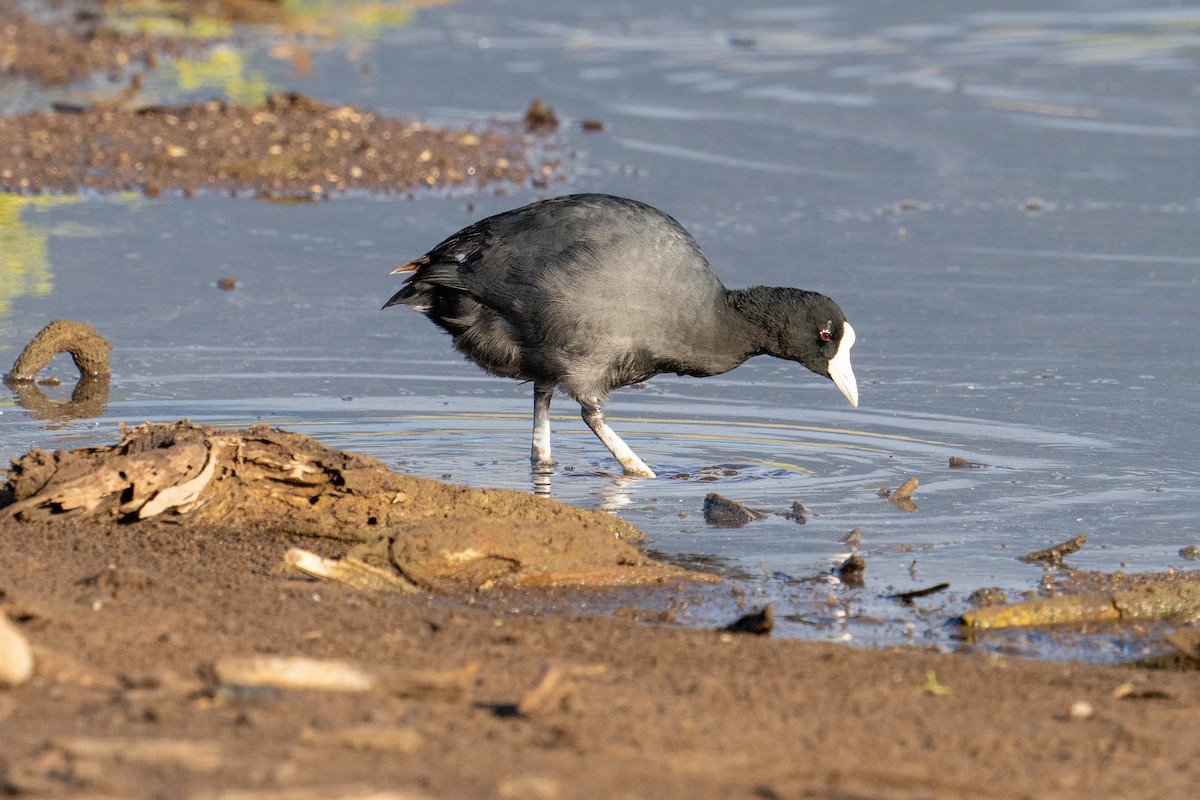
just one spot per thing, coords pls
(350, 571)
(1053, 556)
(421, 533)
(901, 496)
(201, 473)
(1155, 601)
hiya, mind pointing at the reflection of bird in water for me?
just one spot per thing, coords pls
(588, 293)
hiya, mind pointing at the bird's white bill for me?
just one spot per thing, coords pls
(839, 366)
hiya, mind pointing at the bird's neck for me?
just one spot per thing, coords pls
(755, 318)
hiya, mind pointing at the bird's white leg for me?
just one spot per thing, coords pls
(594, 417)
(540, 457)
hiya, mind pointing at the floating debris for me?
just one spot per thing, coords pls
(851, 570)
(958, 462)
(987, 596)
(1052, 557)
(853, 539)
(798, 514)
(540, 118)
(901, 496)
(758, 623)
(721, 512)
(908, 597)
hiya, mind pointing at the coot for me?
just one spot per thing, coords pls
(589, 292)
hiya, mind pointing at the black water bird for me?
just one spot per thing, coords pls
(589, 292)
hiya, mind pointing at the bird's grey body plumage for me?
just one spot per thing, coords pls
(587, 293)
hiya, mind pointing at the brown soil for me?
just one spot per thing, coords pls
(292, 146)
(499, 693)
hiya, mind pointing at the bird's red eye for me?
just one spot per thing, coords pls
(825, 335)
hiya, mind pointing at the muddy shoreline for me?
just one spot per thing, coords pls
(469, 683)
(127, 621)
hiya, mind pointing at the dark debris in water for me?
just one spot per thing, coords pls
(908, 597)
(851, 570)
(901, 496)
(1053, 556)
(758, 623)
(721, 512)
(291, 146)
(958, 462)
(987, 596)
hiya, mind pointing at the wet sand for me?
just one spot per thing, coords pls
(127, 621)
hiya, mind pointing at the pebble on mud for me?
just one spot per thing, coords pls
(16, 656)
(1082, 710)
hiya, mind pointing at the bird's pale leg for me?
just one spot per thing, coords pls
(540, 456)
(629, 461)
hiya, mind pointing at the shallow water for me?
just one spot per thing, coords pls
(1004, 203)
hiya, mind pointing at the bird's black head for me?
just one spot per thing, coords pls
(806, 327)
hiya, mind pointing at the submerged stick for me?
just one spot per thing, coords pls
(1158, 601)
(1053, 556)
(349, 571)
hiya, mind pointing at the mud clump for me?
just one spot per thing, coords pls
(439, 537)
(88, 349)
(721, 512)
